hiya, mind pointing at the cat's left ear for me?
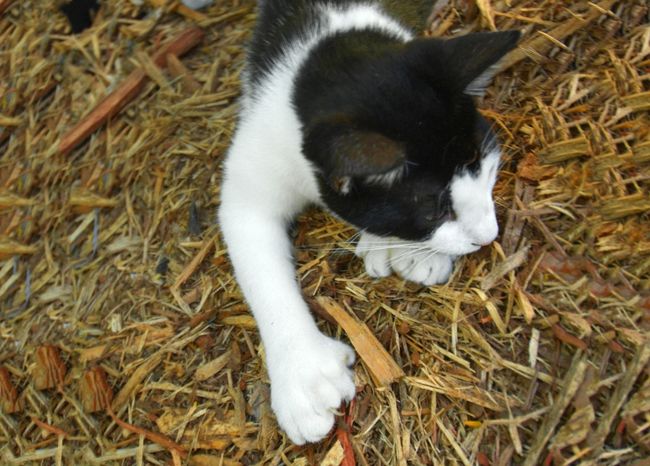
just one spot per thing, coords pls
(474, 58)
(343, 152)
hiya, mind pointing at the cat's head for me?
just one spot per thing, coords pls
(396, 139)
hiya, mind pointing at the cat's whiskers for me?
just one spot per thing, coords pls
(429, 253)
(413, 253)
(379, 247)
(352, 246)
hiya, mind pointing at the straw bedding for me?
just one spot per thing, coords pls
(125, 340)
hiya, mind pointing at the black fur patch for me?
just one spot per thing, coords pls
(80, 13)
(411, 93)
(281, 22)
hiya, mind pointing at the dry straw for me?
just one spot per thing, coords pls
(125, 340)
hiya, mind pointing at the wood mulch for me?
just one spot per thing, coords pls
(124, 338)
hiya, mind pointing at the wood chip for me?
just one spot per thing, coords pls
(9, 401)
(49, 369)
(381, 365)
(94, 391)
(135, 380)
(213, 367)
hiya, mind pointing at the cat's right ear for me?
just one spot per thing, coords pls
(469, 61)
(475, 57)
(343, 152)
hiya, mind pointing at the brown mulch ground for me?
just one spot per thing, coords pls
(124, 338)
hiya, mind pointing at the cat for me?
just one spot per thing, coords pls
(343, 107)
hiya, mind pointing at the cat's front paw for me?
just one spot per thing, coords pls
(427, 268)
(375, 252)
(308, 383)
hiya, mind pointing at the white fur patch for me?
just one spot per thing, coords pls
(363, 16)
(310, 378)
(476, 222)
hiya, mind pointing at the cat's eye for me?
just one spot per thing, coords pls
(441, 216)
(476, 155)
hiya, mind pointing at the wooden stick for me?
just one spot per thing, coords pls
(380, 363)
(187, 272)
(131, 87)
(50, 428)
(178, 70)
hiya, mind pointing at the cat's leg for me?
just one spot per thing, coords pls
(417, 264)
(310, 373)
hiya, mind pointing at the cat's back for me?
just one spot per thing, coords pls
(281, 23)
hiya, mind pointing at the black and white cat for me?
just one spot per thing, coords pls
(344, 108)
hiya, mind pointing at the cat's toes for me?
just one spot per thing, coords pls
(308, 386)
(378, 263)
(375, 251)
(427, 269)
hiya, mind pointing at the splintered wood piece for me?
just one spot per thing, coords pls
(49, 370)
(567, 338)
(334, 456)
(380, 363)
(94, 391)
(194, 264)
(211, 434)
(487, 12)
(178, 70)
(9, 402)
(155, 437)
(49, 428)
(131, 87)
(211, 368)
(136, 378)
(511, 263)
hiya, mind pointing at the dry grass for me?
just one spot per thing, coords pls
(124, 338)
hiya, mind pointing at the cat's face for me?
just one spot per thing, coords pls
(399, 146)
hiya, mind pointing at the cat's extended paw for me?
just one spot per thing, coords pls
(423, 267)
(375, 252)
(308, 383)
